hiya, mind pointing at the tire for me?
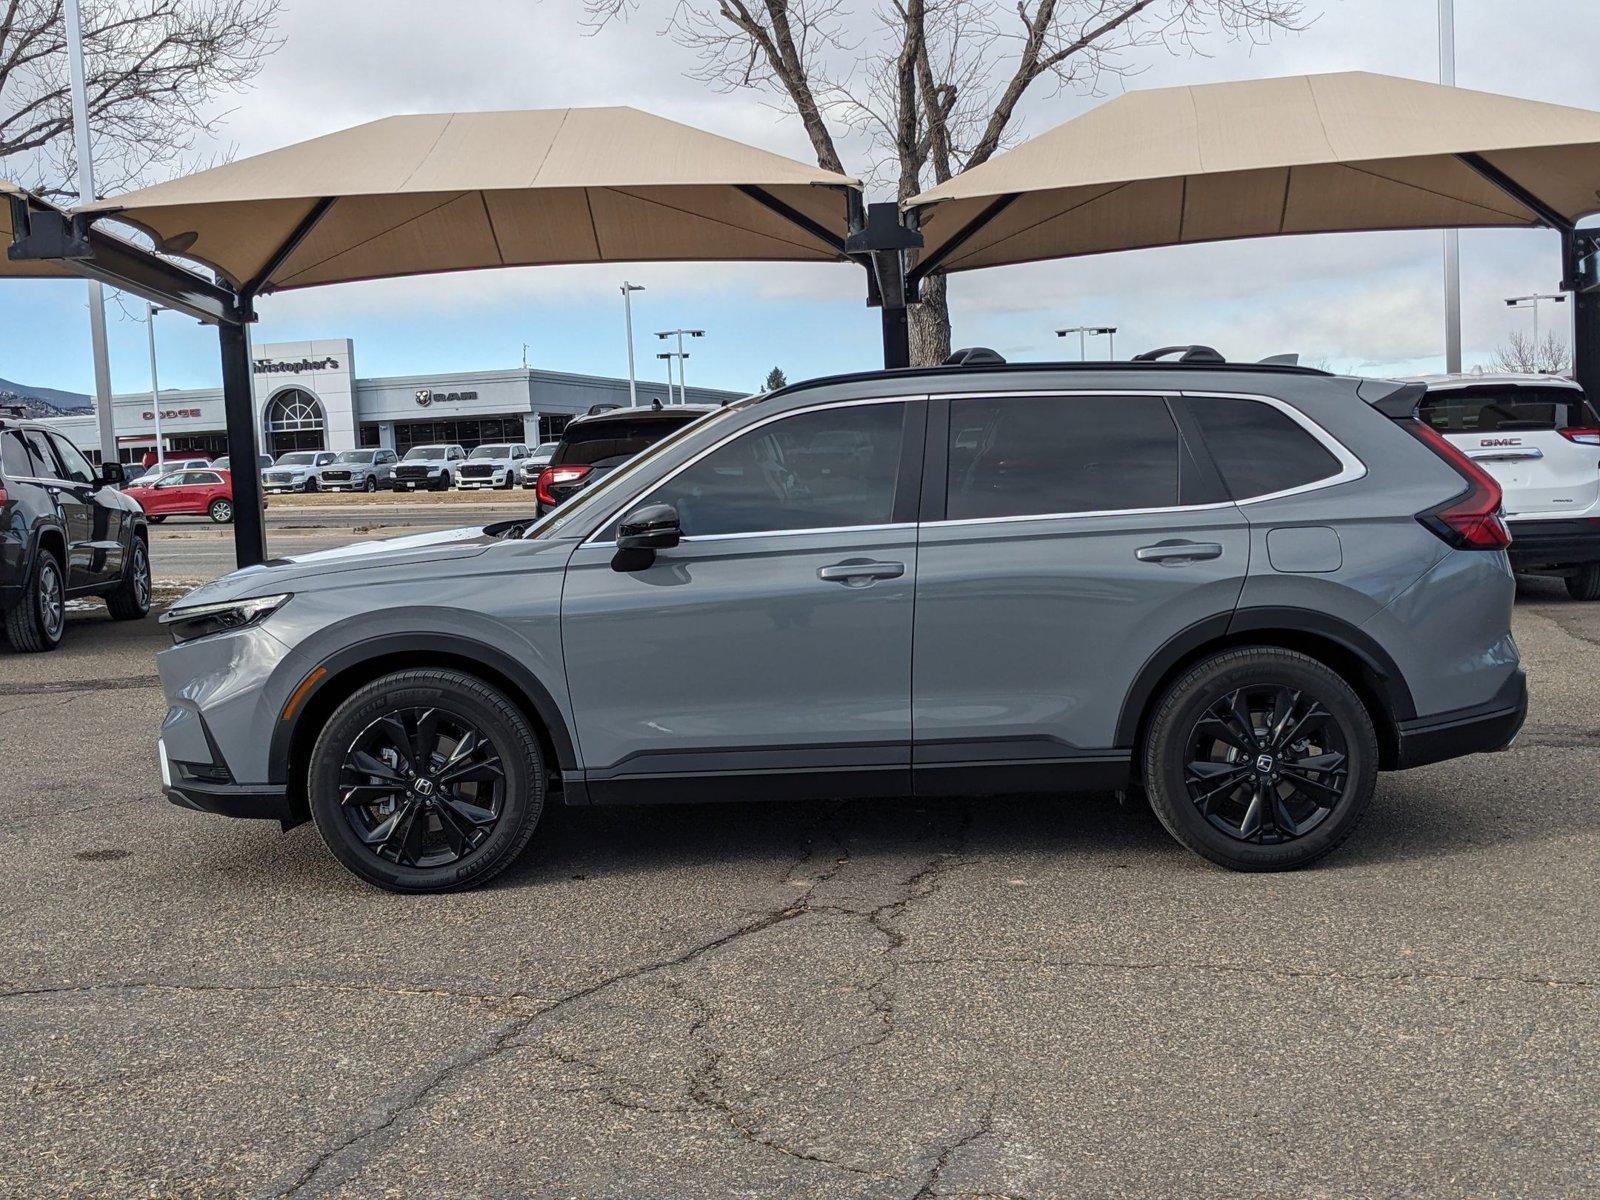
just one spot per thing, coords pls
(1324, 803)
(220, 510)
(131, 600)
(1584, 583)
(311, 485)
(38, 621)
(441, 854)
(158, 518)
(444, 483)
(370, 486)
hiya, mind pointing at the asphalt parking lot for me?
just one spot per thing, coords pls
(996, 998)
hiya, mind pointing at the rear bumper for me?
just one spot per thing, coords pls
(1483, 727)
(1554, 543)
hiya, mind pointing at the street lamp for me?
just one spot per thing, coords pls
(627, 313)
(150, 311)
(680, 334)
(1533, 303)
(1085, 332)
(669, 355)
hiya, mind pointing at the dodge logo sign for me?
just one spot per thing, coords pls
(427, 396)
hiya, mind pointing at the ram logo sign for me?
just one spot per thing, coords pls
(427, 396)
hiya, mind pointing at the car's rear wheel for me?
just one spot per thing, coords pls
(1260, 759)
(1584, 583)
(158, 518)
(427, 780)
(220, 511)
(39, 619)
(131, 600)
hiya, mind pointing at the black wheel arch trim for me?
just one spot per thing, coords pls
(1394, 692)
(336, 665)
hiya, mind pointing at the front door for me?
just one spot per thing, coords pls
(769, 653)
(1072, 537)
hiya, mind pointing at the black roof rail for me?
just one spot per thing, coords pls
(975, 356)
(1186, 354)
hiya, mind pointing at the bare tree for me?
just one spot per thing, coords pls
(1548, 356)
(155, 71)
(935, 85)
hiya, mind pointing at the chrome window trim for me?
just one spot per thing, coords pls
(1351, 468)
(697, 539)
(590, 539)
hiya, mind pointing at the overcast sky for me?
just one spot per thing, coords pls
(1363, 302)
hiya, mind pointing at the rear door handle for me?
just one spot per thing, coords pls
(860, 574)
(1178, 552)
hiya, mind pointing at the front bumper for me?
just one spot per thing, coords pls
(1483, 727)
(256, 801)
(1569, 542)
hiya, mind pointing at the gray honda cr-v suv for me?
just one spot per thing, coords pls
(1219, 584)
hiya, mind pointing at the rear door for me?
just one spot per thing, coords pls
(1539, 441)
(1066, 538)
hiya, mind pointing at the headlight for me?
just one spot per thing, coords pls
(202, 620)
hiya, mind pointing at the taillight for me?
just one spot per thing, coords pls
(1589, 437)
(1472, 520)
(554, 475)
(4, 499)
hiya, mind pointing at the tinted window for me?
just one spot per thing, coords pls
(44, 459)
(1494, 407)
(204, 477)
(818, 470)
(609, 442)
(1259, 449)
(1029, 455)
(76, 465)
(14, 460)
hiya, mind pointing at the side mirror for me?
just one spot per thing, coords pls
(113, 474)
(642, 533)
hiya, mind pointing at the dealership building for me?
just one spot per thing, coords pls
(308, 397)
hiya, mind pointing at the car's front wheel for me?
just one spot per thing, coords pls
(38, 619)
(311, 484)
(1584, 583)
(427, 780)
(370, 485)
(220, 511)
(1260, 759)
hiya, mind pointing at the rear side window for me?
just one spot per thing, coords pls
(1259, 449)
(598, 442)
(1017, 456)
(14, 460)
(1496, 407)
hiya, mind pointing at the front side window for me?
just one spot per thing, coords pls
(1018, 456)
(75, 465)
(831, 468)
(1259, 449)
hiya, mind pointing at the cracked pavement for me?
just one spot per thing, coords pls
(1034, 997)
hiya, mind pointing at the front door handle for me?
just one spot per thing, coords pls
(861, 572)
(1178, 552)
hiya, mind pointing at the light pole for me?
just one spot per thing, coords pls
(97, 302)
(1085, 332)
(680, 334)
(150, 311)
(627, 315)
(669, 355)
(1533, 303)
(1452, 237)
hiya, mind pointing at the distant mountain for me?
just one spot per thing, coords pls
(43, 401)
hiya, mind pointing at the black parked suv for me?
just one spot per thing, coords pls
(595, 445)
(65, 531)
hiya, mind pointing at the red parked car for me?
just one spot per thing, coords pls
(192, 492)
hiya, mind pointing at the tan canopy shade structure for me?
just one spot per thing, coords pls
(412, 195)
(1306, 154)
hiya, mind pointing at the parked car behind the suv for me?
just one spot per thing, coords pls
(206, 492)
(1540, 439)
(595, 445)
(492, 466)
(296, 471)
(358, 471)
(65, 531)
(538, 459)
(1221, 583)
(263, 461)
(155, 471)
(428, 467)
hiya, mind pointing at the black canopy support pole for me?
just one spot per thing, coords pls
(961, 237)
(292, 243)
(239, 408)
(879, 244)
(794, 216)
(1483, 167)
(1581, 277)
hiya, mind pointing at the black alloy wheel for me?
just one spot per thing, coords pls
(131, 600)
(38, 619)
(1260, 759)
(427, 780)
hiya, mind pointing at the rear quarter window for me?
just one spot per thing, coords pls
(584, 446)
(1258, 449)
(1493, 408)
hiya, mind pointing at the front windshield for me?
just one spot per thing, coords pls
(355, 456)
(303, 458)
(547, 448)
(491, 452)
(424, 452)
(621, 481)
